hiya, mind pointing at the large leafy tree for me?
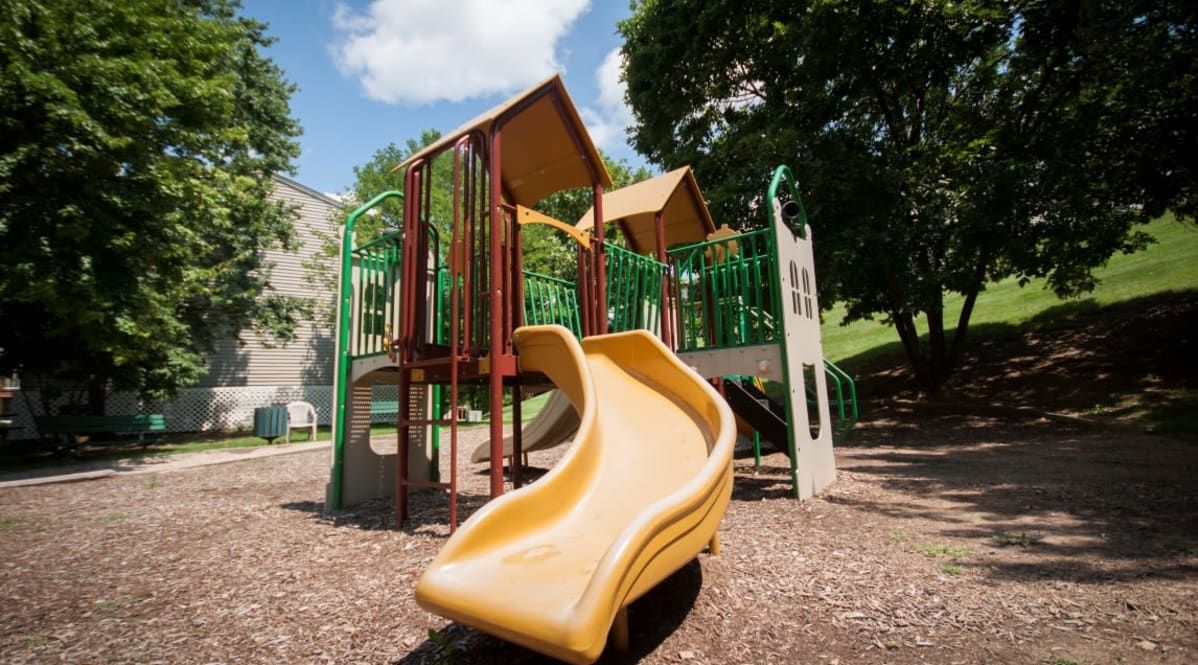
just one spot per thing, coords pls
(378, 175)
(137, 141)
(940, 145)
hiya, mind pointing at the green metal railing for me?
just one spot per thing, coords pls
(844, 400)
(633, 290)
(344, 341)
(377, 268)
(551, 300)
(724, 291)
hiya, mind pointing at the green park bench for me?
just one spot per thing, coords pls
(68, 426)
(384, 407)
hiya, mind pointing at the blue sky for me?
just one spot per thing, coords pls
(380, 71)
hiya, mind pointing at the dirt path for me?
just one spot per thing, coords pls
(952, 540)
(151, 464)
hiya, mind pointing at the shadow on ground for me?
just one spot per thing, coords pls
(1040, 500)
(652, 618)
(428, 512)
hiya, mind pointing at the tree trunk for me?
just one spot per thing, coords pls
(958, 348)
(937, 351)
(905, 325)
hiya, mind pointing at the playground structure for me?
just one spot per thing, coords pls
(444, 302)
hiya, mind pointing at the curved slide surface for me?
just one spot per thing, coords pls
(554, 425)
(639, 494)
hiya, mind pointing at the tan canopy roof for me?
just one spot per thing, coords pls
(539, 154)
(675, 194)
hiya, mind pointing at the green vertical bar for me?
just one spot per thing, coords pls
(576, 316)
(756, 449)
(530, 286)
(362, 308)
(345, 343)
(706, 287)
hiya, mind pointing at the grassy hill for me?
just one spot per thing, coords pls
(1171, 264)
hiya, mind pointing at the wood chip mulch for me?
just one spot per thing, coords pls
(945, 539)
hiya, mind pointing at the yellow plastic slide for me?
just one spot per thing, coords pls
(553, 426)
(639, 494)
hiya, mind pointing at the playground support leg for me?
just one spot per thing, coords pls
(619, 630)
(517, 438)
(402, 434)
(713, 547)
(496, 297)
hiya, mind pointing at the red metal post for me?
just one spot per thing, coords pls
(497, 314)
(467, 257)
(402, 434)
(584, 290)
(600, 256)
(455, 267)
(517, 321)
(517, 437)
(666, 311)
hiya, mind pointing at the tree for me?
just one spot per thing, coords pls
(137, 141)
(940, 146)
(376, 176)
(372, 178)
(550, 252)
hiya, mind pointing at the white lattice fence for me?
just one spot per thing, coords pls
(208, 409)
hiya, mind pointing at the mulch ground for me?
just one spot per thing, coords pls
(944, 539)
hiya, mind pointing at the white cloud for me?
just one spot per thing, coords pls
(610, 117)
(424, 51)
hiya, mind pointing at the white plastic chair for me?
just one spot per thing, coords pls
(301, 415)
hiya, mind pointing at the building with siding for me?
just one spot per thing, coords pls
(246, 373)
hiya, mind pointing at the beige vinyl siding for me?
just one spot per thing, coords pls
(308, 360)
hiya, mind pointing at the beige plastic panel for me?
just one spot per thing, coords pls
(554, 425)
(368, 465)
(800, 319)
(764, 362)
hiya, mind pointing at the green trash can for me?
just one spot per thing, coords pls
(270, 422)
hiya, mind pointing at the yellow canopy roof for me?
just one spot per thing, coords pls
(539, 155)
(675, 194)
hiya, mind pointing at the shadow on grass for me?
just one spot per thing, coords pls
(1137, 359)
(651, 619)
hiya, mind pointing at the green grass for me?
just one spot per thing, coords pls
(955, 571)
(1004, 539)
(1167, 265)
(9, 523)
(529, 409)
(933, 550)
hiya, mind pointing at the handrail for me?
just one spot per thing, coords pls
(704, 244)
(385, 238)
(784, 174)
(551, 300)
(633, 290)
(842, 378)
(343, 341)
(724, 291)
